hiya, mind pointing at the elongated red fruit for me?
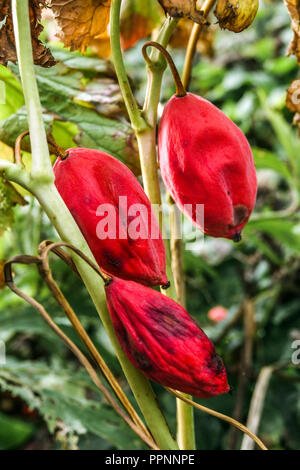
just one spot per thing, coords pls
(123, 234)
(161, 339)
(206, 159)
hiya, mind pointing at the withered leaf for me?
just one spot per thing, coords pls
(41, 54)
(293, 7)
(293, 101)
(138, 19)
(80, 22)
(101, 45)
(187, 9)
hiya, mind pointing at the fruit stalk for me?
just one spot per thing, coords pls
(191, 48)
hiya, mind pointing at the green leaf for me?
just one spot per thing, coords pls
(77, 61)
(285, 134)
(13, 93)
(58, 90)
(265, 159)
(284, 231)
(14, 432)
(262, 246)
(59, 394)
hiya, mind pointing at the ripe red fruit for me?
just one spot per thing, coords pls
(206, 159)
(161, 339)
(86, 179)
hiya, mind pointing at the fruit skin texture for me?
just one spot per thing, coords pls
(236, 15)
(161, 339)
(206, 159)
(88, 178)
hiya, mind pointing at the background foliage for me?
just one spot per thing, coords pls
(46, 400)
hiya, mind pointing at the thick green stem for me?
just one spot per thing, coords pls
(137, 121)
(185, 425)
(185, 412)
(147, 145)
(41, 164)
(41, 185)
(14, 173)
(70, 233)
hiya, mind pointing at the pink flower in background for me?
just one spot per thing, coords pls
(217, 314)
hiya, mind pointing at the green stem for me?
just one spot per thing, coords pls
(70, 233)
(137, 121)
(155, 72)
(41, 164)
(41, 185)
(14, 173)
(147, 144)
(185, 425)
(185, 412)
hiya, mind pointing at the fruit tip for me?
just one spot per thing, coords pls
(237, 237)
(166, 286)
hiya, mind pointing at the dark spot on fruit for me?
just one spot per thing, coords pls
(240, 214)
(142, 360)
(167, 322)
(109, 258)
(216, 363)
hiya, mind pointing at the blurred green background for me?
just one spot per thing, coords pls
(46, 400)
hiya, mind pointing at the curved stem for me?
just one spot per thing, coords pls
(46, 273)
(155, 72)
(75, 350)
(142, 390)
(221, 416)
(138, 123)
(41, 164)
(180, 90)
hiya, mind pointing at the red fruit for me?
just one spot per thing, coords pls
(86, 179)
(206, 159)
(217, 314)
(161, 339)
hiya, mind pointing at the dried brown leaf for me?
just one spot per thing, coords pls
(81, 23)
(187, 9)
(138, 19)
(42, 55)
(293, 7)
(293, 101)
(101, 45)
